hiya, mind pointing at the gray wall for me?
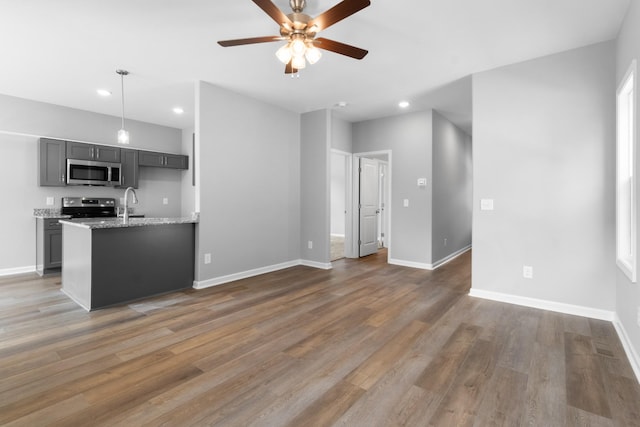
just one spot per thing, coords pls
(341, 134)
(249, 183)
(452, 188)
(315, 137)
(543, 149)
(188, 190)
(627, 293)
(22, 122)
(409, 138)
(41, 119)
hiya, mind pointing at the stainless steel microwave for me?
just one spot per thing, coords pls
(87, 172)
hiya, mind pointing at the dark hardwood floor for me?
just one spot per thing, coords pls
(365, 344)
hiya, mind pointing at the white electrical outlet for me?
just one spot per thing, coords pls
(49, 201)
(165, 201)
(121, 201)
(405, 203)
(527, 272)
(207, 258)
(486, 204)
(310, 244)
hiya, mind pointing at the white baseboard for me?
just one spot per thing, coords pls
(450, 257)
(558, 307)
(17, 270)
(315, 264)
(411, 264)
(256, 272)
(425, 266)
(632, 355)
(243, 275)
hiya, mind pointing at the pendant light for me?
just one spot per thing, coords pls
(123, 134)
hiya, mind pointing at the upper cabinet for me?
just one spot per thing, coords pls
(52, 162)
(129, 169)
(163, 160)
(102, 153)
(53, 155)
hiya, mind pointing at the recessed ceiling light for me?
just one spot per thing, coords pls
(103, 92)
(403, 104)
(178, 110)
(342, 104)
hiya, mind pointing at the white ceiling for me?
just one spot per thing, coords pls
(420, 50)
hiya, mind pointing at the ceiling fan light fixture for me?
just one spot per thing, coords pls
(313, 54)
(284, 54)
(298, 47)
(298, 62)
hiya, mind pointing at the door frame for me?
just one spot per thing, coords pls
(352, 249)
(348, 223)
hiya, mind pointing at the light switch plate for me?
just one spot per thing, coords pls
(165, 201)
(486, 204)
(207, 258)
(405, 203)
(422, 182)
(49, 201)
(527, 272)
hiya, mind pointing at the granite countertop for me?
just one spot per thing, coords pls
(49, 213)
(96, 223)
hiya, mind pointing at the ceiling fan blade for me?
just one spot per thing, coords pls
(252, 40)
(273, 11)
(288, 69)
(337, 13)
(341, 48)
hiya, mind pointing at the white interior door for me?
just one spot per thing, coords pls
(382, 200)
(369, 181)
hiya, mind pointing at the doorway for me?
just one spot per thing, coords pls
(371, 203)
(340, 207)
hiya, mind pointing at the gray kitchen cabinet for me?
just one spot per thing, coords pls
(52, 162)
(176, 161)
(163, 160)
(129, 170)
(48, 245)
(101, 153)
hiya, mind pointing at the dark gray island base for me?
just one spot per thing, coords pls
(110, 262)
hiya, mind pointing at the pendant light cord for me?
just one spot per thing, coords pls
(122, 90)
(122, 74)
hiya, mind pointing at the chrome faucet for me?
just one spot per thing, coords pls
(126, 202)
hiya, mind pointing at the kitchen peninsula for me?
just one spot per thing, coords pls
(113, 261)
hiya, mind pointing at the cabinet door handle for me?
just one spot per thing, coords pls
(97, 153)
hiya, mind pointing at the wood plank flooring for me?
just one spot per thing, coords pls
(364, 344)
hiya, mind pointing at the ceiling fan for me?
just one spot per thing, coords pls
(299, 30)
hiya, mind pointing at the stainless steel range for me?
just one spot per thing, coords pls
(89, 207)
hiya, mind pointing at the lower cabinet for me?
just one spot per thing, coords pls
(48, 245)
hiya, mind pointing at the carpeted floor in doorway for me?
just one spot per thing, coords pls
(337, 247)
